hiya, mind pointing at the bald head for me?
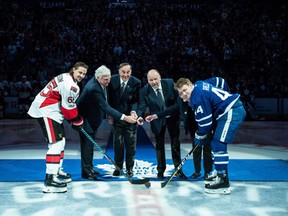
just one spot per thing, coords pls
(154, 78)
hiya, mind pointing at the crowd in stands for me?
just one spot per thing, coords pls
(242, 41)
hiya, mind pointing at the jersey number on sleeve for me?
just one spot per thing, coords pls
(48, 89)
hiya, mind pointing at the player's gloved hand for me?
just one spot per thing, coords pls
(77, 123)
(200, 139)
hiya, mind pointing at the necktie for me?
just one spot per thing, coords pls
(122, 88)
(105, 92)
(160, 98)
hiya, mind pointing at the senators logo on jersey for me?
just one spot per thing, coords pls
(74, 89)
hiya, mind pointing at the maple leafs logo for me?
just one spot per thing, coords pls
(141, 169)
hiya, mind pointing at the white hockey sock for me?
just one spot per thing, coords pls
(63, 142)
(53, 156)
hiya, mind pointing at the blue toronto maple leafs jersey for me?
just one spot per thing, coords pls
(210, 103)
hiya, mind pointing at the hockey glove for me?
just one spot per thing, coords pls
(77, 123)
(200, 140)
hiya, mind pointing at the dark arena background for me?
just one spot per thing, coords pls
(244, 42)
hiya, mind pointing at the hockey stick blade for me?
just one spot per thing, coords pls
(136, 181)
(132, 181)
(155, 185)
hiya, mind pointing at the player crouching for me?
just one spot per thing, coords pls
(214, 106)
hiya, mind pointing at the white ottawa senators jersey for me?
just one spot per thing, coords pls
(57, 99)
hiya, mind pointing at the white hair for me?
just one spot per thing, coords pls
(102, 71)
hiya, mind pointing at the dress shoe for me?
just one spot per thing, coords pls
(160, 175)
(95, 172)
(116, 172)
(89, 176)
(181, 175)
(195, 175)
(130, 173)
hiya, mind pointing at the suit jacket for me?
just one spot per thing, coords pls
(186, 114)
(149, 99)
(128, 101)
(92, 104)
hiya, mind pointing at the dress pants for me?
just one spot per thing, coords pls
(197, 155)
(124, 134)
(174, 133)
(87, 149)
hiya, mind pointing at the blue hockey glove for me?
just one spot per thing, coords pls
(200, 140)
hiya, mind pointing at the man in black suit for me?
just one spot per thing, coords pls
(191, 127)
(124, 97)
(159, 94)
(93, 107)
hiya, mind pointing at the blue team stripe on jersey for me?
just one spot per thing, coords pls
(204, 118)
(204, 125)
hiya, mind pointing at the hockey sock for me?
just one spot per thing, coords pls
(63, 141)
(53, 156)
(221, 162)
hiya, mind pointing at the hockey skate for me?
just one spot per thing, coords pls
(210, 177)
(54, 185)
(65, 177)
(219, 186)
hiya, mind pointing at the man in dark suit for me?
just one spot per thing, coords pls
(190, 126)
(159, 94)
(93, 107)
(124, 97)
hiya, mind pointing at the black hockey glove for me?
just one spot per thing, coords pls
(77, 123)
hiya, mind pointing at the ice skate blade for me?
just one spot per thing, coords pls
(224, 191)
(48, 189)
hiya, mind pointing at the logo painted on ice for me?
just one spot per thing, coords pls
(141, 169)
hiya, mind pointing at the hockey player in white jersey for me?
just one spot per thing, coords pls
(51, 106)
(214, 106)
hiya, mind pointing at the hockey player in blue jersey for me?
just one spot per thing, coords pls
(214, 106)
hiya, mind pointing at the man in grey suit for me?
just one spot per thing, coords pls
(124, 97)
(159, 94)
(93, 107)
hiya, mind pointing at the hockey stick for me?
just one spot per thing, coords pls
(155, 184)
(132, 181)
